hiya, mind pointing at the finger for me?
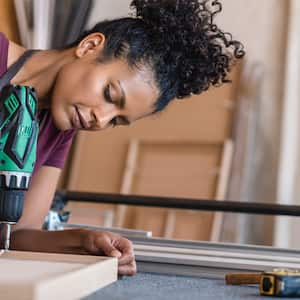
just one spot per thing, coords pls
(126, 259)
(126, 248)
(104, 243)
(89, 244)
(128, 270)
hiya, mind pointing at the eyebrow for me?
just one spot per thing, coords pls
(123, 97)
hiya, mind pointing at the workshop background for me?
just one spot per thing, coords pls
(237, 142)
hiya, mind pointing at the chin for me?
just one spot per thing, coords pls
(60, 126)
(61, 123)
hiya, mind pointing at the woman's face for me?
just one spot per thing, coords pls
(90, 95)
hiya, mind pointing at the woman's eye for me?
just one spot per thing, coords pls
(119, 121)
(107, 94)
(114, 122)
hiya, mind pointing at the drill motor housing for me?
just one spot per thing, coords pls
(18, 144)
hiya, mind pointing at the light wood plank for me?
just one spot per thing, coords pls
(128, 176)
(48, 276)
(171, 167)
(222, 187)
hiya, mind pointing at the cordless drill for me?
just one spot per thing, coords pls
(18, 144)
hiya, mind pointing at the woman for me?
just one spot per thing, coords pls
(116, 73)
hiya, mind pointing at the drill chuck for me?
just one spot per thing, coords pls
(11, 205)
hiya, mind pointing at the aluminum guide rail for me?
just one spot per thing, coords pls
(182, 203)
(130, 233)
(211, 260)
(185, 270)
(238, 248)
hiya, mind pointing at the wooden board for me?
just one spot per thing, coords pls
(171, 168)
(43, 276)
(222, 189)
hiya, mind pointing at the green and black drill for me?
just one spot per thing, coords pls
(18, 145)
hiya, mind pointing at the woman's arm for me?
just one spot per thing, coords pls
(78, 241)
(39, 197)
(28, 236)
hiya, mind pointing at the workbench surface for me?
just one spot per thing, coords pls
(148, 286)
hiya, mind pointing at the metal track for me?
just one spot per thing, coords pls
(212, 260)
(129, 233)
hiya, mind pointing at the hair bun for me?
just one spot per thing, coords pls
(187, 43)
(164, 15)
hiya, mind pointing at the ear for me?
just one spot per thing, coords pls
(91, 44)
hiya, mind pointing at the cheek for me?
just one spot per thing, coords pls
(74, 83)
(64, 93)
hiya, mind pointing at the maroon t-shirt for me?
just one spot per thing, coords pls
(53, 144)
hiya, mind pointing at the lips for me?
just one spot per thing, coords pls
(79, 121)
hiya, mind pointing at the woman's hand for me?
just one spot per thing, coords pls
(77, 241)
(111, 244)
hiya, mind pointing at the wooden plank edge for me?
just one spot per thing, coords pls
(79, 283)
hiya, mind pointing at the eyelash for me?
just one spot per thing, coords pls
(114, 122)
(107, 94)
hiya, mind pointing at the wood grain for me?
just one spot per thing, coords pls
(48, 276)
(172, 168)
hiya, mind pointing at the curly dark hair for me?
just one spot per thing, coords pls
(178, 39)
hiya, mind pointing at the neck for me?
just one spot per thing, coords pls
(40, 71)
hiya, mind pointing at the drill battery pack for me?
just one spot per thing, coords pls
(18, 143)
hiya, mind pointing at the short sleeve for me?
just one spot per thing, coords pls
(3, 53)
(60, 152)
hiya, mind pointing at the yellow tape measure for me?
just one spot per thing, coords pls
(280, 282)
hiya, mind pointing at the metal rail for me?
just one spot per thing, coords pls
(211, 260)
(128, 233)
(183, 203)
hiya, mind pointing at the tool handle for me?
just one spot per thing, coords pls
(243, 278)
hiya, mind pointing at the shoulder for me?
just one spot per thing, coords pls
(10, 52)
(3, 37)
(4, 43)
(15, 51)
